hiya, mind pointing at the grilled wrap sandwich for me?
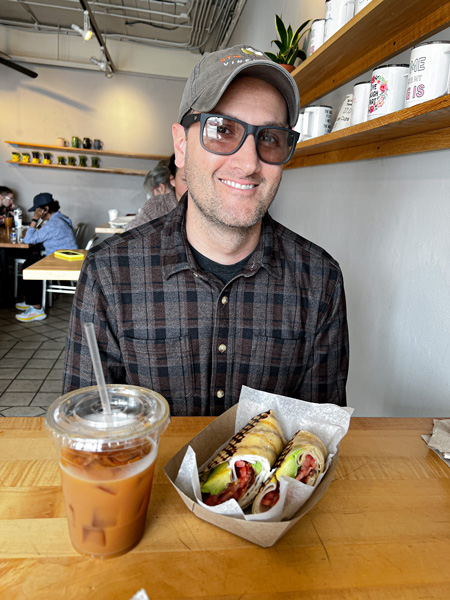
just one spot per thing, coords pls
(303, 459)
(239, 470)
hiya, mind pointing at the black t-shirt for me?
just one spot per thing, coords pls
(224, 272)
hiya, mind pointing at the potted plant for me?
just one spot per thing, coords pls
(288, 50)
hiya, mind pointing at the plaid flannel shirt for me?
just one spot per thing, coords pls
(163, 323)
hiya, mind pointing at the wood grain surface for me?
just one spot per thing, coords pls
(381, 531)
(52, 267)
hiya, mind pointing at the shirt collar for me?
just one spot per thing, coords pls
(176, 255)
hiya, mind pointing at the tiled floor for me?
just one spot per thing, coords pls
(31, 360)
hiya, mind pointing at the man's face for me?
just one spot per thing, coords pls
(236, 191)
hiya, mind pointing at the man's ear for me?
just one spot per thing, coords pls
(179, 144)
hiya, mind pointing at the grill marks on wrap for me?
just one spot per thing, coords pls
(233, 449)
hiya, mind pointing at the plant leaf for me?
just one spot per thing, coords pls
(272, 56)
(281, 30)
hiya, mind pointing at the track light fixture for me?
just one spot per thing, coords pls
(102, 64)
(86, 32)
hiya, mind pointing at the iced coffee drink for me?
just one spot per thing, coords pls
(107, 464)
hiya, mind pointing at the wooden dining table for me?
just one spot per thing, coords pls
(109, 229)
(6, 281)
(53, 268)
(381, 530)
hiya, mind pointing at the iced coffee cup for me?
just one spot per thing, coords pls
(107, 463)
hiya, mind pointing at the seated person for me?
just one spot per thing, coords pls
(216, 294)
(6, 202)
(164, 185)
(55, 234)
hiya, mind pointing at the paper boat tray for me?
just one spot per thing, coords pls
(205, 444)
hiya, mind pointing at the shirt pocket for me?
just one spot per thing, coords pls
(277, 364)
(165, 366)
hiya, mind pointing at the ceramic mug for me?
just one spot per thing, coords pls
(25, 157)
(299, 125)
(317, 35)
(344, 118)
(95, 162)
(36, 157)
(337, 14)
(48, 158)
(72, 160)
(61, 160)
(75, 142)
(429, 72)
(87, 143)
(16, 156)
(98, 144)
(387, 90)
(360, 104)
(62, 142)
(360, 4)
(82, 161)
(316, 121)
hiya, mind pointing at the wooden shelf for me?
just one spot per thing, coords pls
(381, 30)
(86, 151)
(137, 172)
(419, 128)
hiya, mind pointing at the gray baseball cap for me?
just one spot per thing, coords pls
(214, 72)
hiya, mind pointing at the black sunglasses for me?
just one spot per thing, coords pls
(225, 135)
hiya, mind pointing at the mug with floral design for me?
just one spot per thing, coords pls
(387, 90)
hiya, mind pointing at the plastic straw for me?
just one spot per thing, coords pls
(95, 356)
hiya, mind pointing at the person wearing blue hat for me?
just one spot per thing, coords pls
(52, 229)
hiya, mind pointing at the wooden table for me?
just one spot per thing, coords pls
(6, 281)
(5, 240)
(107, 228)
(381, 531)
(50, 267)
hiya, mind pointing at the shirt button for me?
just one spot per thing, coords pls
(222, 348)
(220, 393)
(224, 299)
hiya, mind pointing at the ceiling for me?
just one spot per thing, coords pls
(193, 25)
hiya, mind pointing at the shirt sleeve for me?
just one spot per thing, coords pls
(91, 306)
(326, 373)
(37, 236)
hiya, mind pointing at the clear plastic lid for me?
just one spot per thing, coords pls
(78, 418)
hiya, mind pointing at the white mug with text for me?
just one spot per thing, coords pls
(429, 72)
(387, 90)
(337, 14)
(317, 35)
(316, 121)
(360, 104)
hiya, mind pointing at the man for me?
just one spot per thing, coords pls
(216, 294)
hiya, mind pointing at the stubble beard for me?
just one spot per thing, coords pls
(211, 210)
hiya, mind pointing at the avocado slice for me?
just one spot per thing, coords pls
(217, 480)
(289, 466)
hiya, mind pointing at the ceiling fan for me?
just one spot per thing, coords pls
(8, 62)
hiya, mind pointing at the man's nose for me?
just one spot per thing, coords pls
(246, 158)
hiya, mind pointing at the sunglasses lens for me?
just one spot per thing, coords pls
(223, 136)
(275, 145)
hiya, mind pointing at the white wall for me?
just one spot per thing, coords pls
(129, 113)
(387, 222)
